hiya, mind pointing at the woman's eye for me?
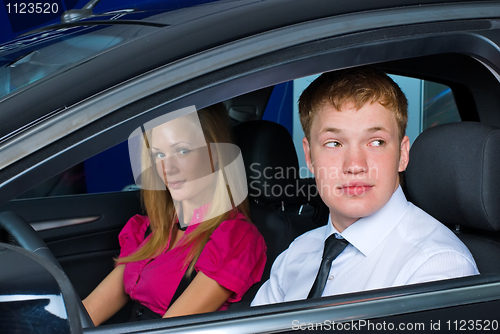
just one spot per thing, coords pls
(378, 142)
(159, 155)
(183, 151)
(333, 144)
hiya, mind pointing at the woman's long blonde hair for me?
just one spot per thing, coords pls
(159, 204)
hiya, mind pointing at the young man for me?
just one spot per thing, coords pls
(355, 144)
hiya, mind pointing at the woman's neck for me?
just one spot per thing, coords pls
(187, 214)
(188, 209)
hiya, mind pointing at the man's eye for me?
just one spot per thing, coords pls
(378, 142)
(183, 151)
(333, 144)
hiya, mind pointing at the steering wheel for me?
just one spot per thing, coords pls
(28, 239)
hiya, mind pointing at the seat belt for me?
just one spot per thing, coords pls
(185, 281)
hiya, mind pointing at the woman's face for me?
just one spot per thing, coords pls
(183, 161)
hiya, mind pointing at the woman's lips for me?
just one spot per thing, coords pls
(356, 189)
(175, 184)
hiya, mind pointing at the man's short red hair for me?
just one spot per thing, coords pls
(358, 86)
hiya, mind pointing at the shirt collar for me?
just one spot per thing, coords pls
(198, 215)
(366, 233)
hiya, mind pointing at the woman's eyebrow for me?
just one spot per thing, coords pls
(175, 144)
(180, 142)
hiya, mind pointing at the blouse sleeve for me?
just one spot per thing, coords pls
(234, 256)
(132, 234)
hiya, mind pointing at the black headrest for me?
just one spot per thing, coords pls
(453, 174)
(270, 159)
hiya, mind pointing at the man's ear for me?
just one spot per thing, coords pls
(307, 153)
(404, 155)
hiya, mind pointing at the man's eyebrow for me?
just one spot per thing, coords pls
(330, 129)
(376, 128)
(369, 130)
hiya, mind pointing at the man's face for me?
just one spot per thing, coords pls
(355, 156)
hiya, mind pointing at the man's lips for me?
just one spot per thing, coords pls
(355, 188)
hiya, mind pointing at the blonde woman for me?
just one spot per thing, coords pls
(202, 253)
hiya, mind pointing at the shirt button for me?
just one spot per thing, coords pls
(331, 277)
(197, 216)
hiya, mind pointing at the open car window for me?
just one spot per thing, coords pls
(82, 223)
(429, 104)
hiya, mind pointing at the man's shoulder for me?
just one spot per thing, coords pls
(427, 233)
(309, 238)
(317, 233)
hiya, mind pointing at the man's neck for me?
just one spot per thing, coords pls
(341, 223)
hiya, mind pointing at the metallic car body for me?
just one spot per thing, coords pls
(238, 47)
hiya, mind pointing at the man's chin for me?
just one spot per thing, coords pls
(353, 212)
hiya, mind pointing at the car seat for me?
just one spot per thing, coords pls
(453, 174)
(278, 207)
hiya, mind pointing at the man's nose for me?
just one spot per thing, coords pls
(355, 161)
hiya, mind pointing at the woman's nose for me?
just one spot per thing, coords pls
(169, 166)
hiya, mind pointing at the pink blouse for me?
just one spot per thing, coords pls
(234, 256)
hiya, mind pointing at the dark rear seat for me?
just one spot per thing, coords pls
(453, 176)
(280, 206)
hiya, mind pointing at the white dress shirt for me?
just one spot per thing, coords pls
(400, 244)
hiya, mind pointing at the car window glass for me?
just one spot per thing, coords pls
(33, 57)
(108, 171)
(172, 152)
(439, 105)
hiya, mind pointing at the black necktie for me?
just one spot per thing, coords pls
(333, 247)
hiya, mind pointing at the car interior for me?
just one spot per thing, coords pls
(456, 188)
(452, 176)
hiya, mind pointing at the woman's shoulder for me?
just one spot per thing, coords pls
(236, 232)
(235, 255)
(132, 234)
(136, 225)
(236, 223)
